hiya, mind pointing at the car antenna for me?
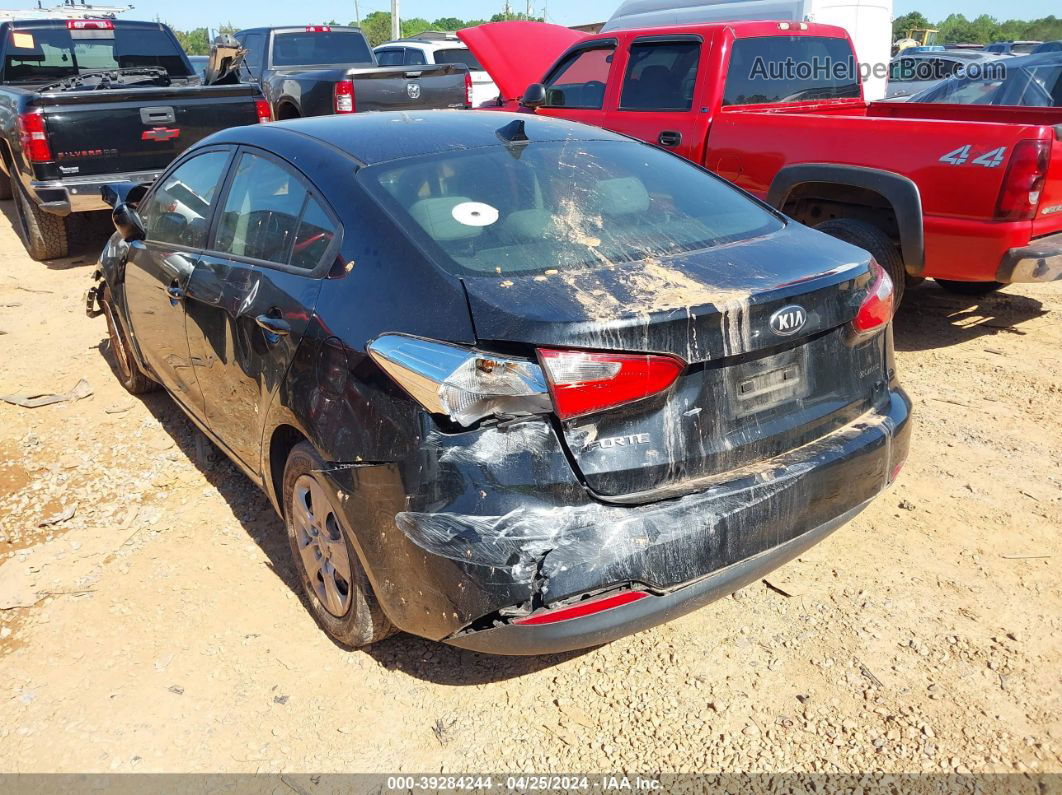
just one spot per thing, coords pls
(513, 134)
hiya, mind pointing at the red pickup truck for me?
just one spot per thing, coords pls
(970, 195)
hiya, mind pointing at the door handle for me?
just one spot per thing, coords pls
(276, 326)
(175, 292)
(669, 138)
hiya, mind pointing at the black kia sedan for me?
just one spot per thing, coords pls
(513, 383)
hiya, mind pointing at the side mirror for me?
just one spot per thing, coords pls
(534, 96)
(115, 193)
(127, 222)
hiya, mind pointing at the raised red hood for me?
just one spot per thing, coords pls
(516, 54)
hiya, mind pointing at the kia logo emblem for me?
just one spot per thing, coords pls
(413, 90)
(788, 320)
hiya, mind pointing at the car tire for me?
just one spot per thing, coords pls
(43, 234)
(126, 368)
(334, 583)
(970, 288)
(870, 238)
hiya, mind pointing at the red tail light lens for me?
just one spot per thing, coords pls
(344, 97)
(89, 24)
(1023, 182)
(876, 310)
(318, 28)
(34, 137)
(582, 382)
(584, 608)
(468, 89)
(264, 110)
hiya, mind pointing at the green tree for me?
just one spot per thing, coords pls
(907, 22)
(194, 42)
(376, 27)
(413, 26)
(447, 23)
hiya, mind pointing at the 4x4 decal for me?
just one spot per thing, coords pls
(990, 159)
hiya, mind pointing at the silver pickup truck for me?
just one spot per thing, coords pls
(317, 70)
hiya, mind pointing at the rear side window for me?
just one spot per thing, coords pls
(458, 55)
(391, 57)
(261, 212)
(179, 211)
(790, 69)
(315, 49)
(579, 82)
(661, 76)
(315, 235)
(414, 57)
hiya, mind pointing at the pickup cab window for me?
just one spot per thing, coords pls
(319, 48)
(254, 43)
(661, 76)
(55, 53)
(579, 81)
(179, 211)
(790, 69)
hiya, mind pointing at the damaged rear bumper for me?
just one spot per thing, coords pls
(608, 625)
(464, 576)
(1040, 261)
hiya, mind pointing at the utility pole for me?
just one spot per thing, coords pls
(357, 14)
(396, 25)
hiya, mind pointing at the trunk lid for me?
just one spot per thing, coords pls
(748, 393)
(516, 54)
(124, 130)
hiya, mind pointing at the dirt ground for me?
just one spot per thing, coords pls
(160, 630)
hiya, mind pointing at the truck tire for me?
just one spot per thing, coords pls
(870, 238)
(128, 371)
(970, 288)
(43, 234)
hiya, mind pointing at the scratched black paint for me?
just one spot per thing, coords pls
(461, 529)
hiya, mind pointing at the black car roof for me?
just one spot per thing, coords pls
(379, 137)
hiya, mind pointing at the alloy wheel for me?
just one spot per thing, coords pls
(322, 547)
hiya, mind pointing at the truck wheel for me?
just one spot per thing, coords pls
(43, 234)
(870, 238)
(129, 374)
(333, 581)
(970, 288)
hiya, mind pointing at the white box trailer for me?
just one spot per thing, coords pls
(868, 22)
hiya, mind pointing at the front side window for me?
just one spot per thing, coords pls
(254, 43)
(580, 80)
(319, 48)
(261, 212)
(565, 206)
(661, 76)
(179, 210)
(768, 69)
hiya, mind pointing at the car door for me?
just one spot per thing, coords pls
(253, 291)
(176, 215)
(577, 85)
(658, 93)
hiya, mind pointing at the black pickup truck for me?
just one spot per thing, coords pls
(86, 102)
(318, 70)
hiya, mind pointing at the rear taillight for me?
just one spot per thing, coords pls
(89, 24)
(318, 28)
(460, 383)
(468, 89)
(1023, 182)
(582, 382)
(876, 310)
(34, 137)
(585, 608)
(264, 111)
(343, 97)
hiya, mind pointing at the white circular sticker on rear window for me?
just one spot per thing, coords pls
(474, 214)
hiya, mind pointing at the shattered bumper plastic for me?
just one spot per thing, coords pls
(478, 571)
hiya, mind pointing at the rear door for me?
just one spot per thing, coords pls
(176, 215)
(659, 91)
(252, 293)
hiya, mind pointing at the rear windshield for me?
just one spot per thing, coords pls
(790, 69)
(318, 49)
(458, 56)
(52, 53)
(561, 205)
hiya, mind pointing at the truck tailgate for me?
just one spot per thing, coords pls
(137, 129)
(410, 87)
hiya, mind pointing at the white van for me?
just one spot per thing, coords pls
(868, 22)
